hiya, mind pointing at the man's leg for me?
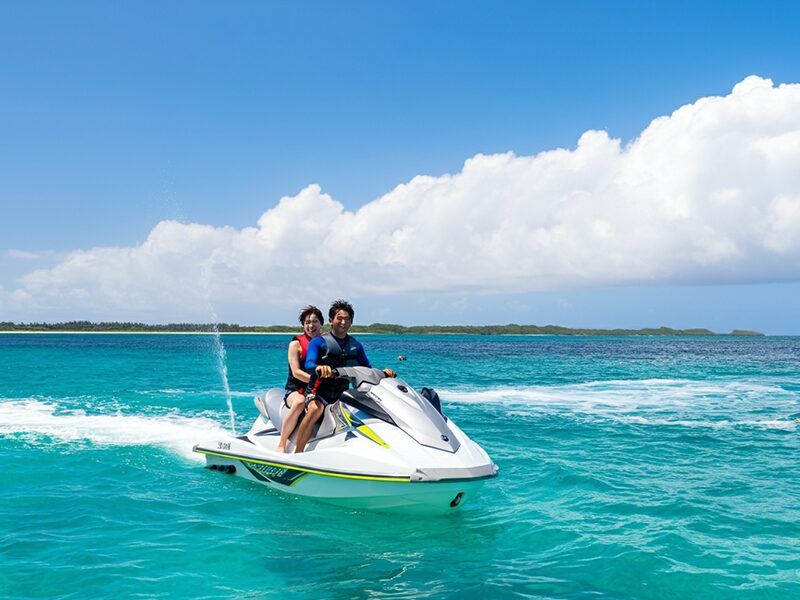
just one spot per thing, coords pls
(313, 413)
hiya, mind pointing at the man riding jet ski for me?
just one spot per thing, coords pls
(333, 349)
(381, 446)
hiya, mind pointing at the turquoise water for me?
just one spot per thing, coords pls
(630, 468)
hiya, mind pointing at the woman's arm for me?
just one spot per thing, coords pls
(294, 362)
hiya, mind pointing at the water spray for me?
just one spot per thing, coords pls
(219, 347)
(222, 366)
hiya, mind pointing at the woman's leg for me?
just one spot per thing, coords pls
(296, 404)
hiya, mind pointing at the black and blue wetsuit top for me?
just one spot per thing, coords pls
(318, 346)
(334, 352)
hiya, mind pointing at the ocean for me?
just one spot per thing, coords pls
(630, 467)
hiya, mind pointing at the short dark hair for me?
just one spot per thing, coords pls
(311, 310)
(341, 305)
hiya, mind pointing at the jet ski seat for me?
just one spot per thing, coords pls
(261, 404)
(271, 406)
(274, 408)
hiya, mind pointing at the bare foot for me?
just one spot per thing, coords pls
(282, 449)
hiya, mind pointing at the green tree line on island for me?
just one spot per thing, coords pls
(511, 329)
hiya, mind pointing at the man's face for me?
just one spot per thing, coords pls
(341, 323)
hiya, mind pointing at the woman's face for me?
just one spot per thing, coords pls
(312, 325)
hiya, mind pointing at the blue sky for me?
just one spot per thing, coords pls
(115, 118)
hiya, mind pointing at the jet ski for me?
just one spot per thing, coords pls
(382, 446)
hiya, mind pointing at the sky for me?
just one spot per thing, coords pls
(586, 164)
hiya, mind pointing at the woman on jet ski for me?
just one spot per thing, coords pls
(335, 349)
(311, 319)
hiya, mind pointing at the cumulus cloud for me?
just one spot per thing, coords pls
(710, 193)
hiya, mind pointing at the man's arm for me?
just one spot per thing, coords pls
(315, 348)
(363, 361)
(312, 353)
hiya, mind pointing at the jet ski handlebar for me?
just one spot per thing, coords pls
(359, 375)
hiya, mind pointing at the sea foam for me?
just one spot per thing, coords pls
(682, 402)
(33, 420)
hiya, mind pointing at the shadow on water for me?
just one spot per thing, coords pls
(360, 554)
(304, 546)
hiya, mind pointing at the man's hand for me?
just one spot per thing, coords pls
(324, 371)
(390, 373)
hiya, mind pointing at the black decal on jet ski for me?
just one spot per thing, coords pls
(282, 475)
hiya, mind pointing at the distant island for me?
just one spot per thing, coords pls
(511, 329)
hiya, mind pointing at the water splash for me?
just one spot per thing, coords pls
(218, 346)
(222, 366)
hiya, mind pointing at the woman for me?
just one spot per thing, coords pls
(312, 320)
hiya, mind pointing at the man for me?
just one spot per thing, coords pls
(324, 353)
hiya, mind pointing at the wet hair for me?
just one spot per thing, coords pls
(341, 305)
(311, 310)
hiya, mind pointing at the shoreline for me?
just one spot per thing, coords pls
(360, 333)
(219, 328)
(160, 332)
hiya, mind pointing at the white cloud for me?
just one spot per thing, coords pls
(24, 254)
(710, 193)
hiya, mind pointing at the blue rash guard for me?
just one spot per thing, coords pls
(351, 351)
(316, 348)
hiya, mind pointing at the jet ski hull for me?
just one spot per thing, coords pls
(352, 490)
(389, 449)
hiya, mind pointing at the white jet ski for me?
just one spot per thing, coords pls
(381, 446)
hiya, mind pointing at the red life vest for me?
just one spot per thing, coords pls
(304, 341)
(292, 383)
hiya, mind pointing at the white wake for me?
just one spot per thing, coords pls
(683, 402)
(34, 420)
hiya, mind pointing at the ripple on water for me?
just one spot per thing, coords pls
(629, 469)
